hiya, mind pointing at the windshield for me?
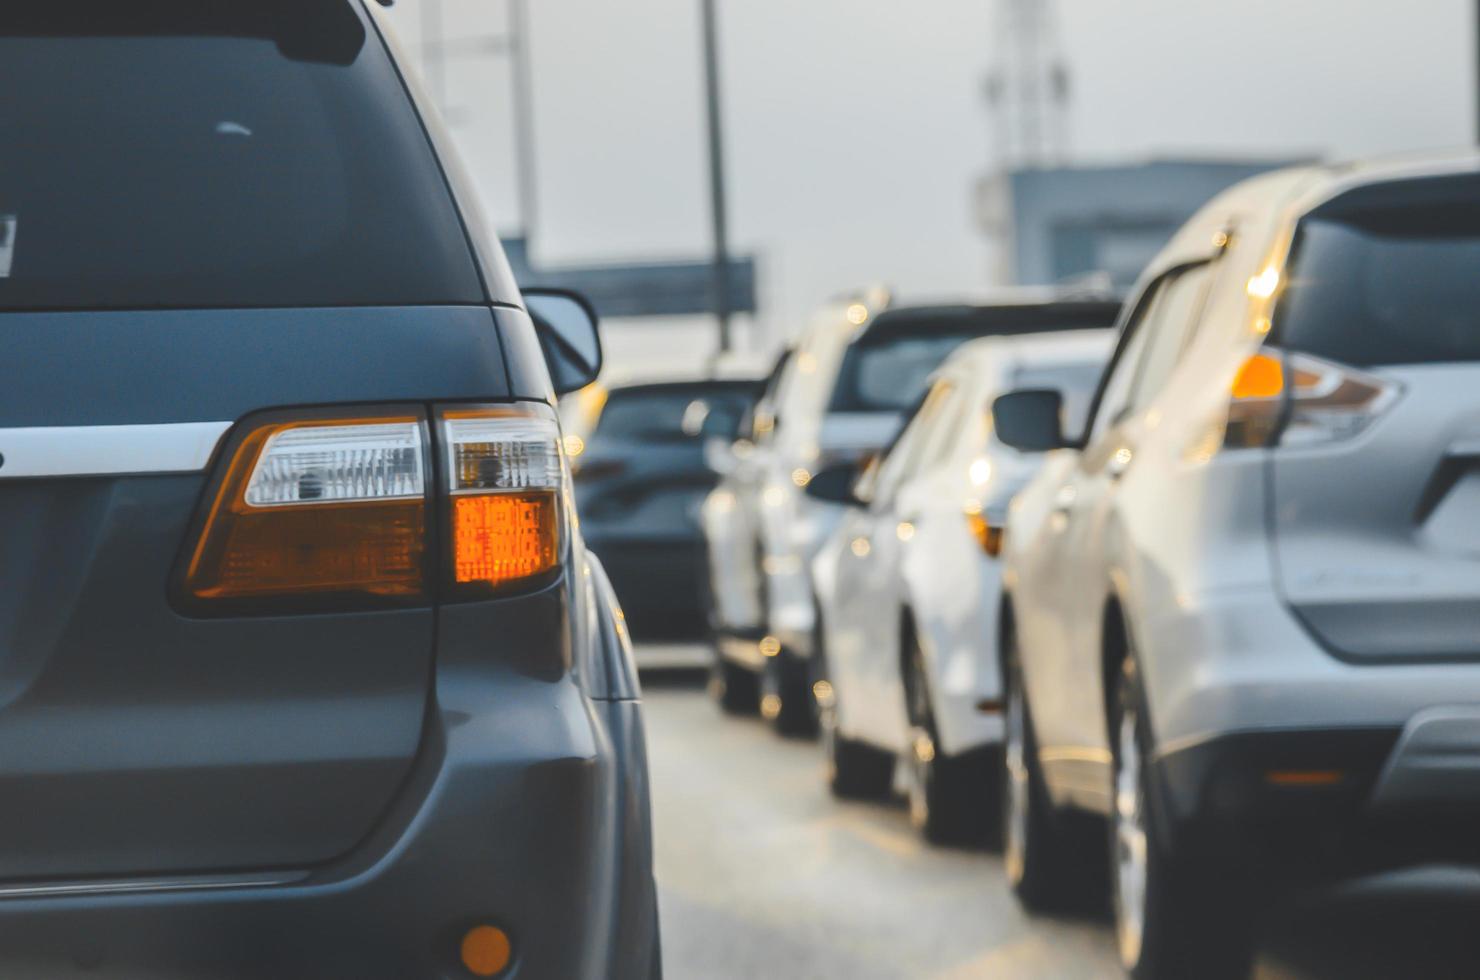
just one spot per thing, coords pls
(180, 154)
(890, 376)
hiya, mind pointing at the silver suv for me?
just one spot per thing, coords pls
(1242, 610)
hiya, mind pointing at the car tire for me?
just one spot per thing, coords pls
(735, 689)
(1175, 916)
(786, 699)
(951, 798)
(855, 770)
(1045, 852)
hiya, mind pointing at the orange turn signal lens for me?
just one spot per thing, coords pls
(505, 472)
(987, 534)
(317, 506)
(503, 537)
(1261, 376)
(486, 951)
(1304, 778)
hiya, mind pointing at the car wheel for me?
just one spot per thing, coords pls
(855, 770)
(735, 689)
(786, 698)
(1044, 851)
(1174, 917)
(949, 796)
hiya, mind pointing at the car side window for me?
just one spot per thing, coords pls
(1179, 306)
(1115, 393)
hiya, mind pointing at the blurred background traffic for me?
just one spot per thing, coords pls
(824, 236)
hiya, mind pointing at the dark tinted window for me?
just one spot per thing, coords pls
(674, 414)
(185, 154)
(890, 376)
(886, 369)
(1389, 276)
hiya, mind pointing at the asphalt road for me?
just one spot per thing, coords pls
(763, 875)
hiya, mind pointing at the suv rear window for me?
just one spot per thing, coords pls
(187, 154)
(890, 376)
(1387, 275)
(886, 369)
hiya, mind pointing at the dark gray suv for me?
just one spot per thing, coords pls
(304, 670)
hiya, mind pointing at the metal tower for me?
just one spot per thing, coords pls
(1027, 86)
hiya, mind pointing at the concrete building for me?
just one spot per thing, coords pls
(1054, 225)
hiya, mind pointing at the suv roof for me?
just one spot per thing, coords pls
(1284, 195)
(997, 319)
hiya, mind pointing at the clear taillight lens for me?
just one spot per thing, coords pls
(310, 507)
(506, 478)
(338, 463)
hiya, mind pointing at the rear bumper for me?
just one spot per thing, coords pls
(741, 647)
(527, 811)
(1326, 801)
(1267, 741)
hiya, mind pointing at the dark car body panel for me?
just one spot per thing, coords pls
(332, 792)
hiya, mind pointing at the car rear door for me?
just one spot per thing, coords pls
(1375, 503)
(212, 212)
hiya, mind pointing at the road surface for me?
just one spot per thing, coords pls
(763, 876)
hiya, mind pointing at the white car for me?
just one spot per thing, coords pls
(1242, 614)
(908, 587)
(759, 527)
(843, 394)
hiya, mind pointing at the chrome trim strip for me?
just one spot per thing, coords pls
(150, 885)
(102, 450)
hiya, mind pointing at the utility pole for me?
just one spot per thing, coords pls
(437, 50)
(432, 41)
(718, 205)
(524, 118)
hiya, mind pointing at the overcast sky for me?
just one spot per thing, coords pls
(856, 128)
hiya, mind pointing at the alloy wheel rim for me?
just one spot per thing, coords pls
(828, 736)
(770, 691)
(1130, 844)
(921, 757)
(1017, 788)
(921, 748)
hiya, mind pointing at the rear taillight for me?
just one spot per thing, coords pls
(320, 506)
(314, 506)
(505, 476)
(988, 533)
(1290, 399)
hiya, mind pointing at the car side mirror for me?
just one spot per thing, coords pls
(569, 337)
(836, 484)
(1030, 420)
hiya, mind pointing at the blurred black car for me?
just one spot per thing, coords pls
(640, 483)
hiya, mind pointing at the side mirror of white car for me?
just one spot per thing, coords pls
(1030, 420)
(837, 484)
